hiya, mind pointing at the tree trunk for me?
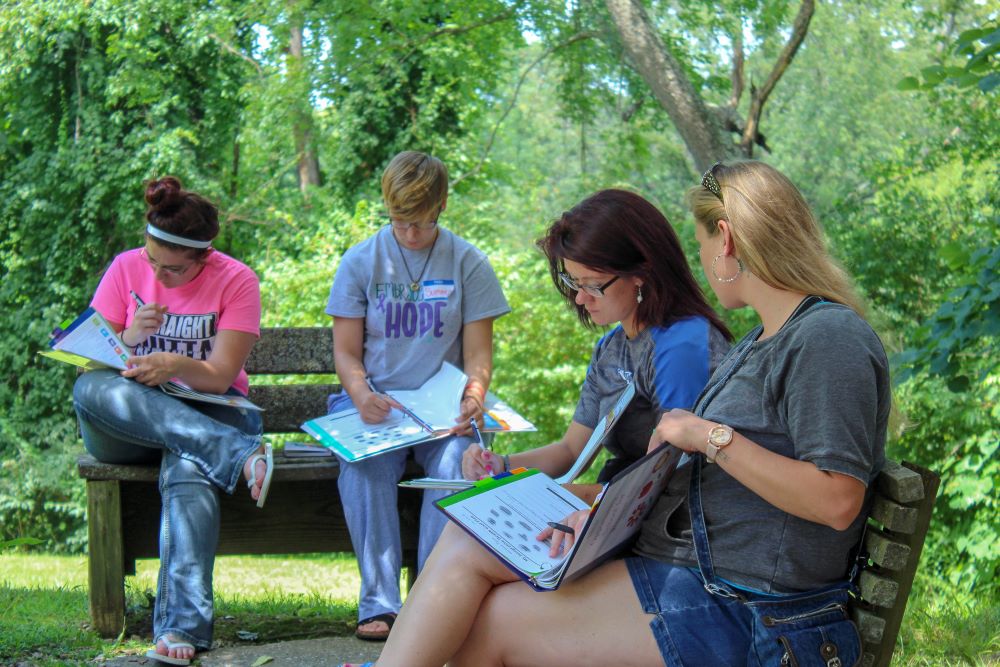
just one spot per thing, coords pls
(705, 138)
(302, 123)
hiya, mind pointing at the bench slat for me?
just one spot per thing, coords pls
(893, 516)
(900, 484)
(292, 351)
(301, 516)
(285, 470)
(885, 592)
(871, 626)
(878, 590)
(288, 406)
(884, 551)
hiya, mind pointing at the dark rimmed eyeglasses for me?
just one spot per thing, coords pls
(709, 182)
(422, 226)
(592, 290)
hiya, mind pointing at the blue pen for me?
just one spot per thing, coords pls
(402, 408)
(139, 302)
(479, 436)
(479, 440)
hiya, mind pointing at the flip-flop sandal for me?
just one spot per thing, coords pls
(357, 664)
(380, 636)
(171, 645)
(268, 458)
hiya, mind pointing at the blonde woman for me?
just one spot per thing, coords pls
(783, 445)
(403, 301)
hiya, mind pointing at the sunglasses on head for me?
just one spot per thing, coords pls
(709, 182)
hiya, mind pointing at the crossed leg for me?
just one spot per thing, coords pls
(469, 608)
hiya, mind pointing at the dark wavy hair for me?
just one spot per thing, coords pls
(620, 233)
(182, 213)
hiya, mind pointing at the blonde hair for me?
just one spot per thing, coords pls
(414, 186)
(774, 232)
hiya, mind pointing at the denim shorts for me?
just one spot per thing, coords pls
(691, 626)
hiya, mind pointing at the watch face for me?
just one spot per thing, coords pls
(720, 436)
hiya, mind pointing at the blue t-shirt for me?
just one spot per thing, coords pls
(670, 366)
(408, 333)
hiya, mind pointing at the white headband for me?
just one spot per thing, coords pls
(171, 238)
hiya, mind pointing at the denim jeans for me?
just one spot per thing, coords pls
(202, 448)
(691, 626)
(368, 493)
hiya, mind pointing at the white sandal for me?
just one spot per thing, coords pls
(268, 458)
(171, 645)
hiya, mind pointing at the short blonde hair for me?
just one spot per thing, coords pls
(414, 186)
(774, 231)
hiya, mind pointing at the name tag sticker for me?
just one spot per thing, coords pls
(438, 290)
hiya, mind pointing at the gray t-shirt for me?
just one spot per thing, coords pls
(818, 390)
(409, 333)
(669, 365)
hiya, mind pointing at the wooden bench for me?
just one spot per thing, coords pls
(897, 526)
(303, 513)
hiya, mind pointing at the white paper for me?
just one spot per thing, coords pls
(94, 338)
(597, 437)
(438, 402)
(353, 439)
(509, 518)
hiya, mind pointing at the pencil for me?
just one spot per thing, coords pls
(561, 527)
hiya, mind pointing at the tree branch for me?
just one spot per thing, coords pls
(737, 74)
(759, 97)
(517, 90)
(458, 30)
(236, 52)
(663, 73)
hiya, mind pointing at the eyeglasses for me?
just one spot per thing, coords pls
(592, 290)
(172, 270)
(422, 226)
(709, 182)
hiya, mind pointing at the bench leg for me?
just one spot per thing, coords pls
(106, 557)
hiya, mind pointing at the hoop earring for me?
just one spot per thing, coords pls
(638, 295)
(736, 275)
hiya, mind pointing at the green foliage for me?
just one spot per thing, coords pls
(980, 46)
(95, 98)
(923, 240)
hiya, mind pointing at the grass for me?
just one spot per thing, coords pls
(44, 621)
(44, 618)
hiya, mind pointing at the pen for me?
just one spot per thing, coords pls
(402, 408)
(139, 302)
(478, 434)
(561, 527)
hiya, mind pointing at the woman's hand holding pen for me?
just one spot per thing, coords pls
(471, 408)
(562, 540)
(375, 407)
(478, 463)
(145, 322)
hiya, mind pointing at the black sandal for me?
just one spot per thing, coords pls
(388, 618)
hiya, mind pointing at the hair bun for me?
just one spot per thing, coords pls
(163, 194)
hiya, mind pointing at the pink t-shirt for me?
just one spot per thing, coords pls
(225, 295)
